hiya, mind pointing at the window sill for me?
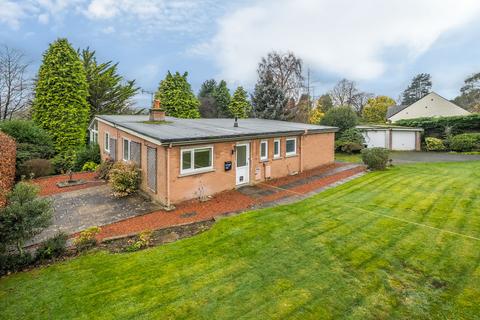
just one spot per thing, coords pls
(186, 174)
(263, 160)
(291, 155)
(277, 158)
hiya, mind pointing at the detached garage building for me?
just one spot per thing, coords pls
(392, 137)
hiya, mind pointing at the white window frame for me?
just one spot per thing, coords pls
(123, 149)
(94, 133)
(265, 157)
(106, 141)
(192, 169)
(293, 153)
(277, 155)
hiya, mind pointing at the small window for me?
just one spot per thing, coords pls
(276, 148)
(196, 160)
(94, 133)
(126, 149)
(264, 150)
(291, 147)
(107, 141)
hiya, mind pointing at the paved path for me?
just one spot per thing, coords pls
(77, 210)
(413, 157)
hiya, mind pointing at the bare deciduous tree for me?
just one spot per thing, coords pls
(345, 93)
(15, 87)
(286, 71)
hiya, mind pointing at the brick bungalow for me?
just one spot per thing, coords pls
(182, 159)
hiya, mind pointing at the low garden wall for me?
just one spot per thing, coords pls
(7, 167)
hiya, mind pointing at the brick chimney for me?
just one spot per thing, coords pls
(157, 113)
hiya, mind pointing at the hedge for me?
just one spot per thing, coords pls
(7, 168)
(440, 126)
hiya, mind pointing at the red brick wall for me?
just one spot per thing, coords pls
(7, 168)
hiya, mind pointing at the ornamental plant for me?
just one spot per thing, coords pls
(60, 105)
(87, 239)
(375, 158)
(124, 178)
(434, 144)
(239, 105)
(465, 142)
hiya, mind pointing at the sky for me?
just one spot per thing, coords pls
(378, 44)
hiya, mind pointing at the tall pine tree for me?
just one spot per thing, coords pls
(60, 105)
(239, 106)
(222, 100)
(420, 86)
(268, 100)
(176, 96)
(214, 99)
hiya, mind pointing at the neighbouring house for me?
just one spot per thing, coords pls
(182, 159)
(392, 137)
(432, 105)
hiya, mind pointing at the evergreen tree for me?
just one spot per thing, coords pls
(268, 100)
(375, 111)
(60, 105)
(239, 105)
(324, 103)
(222, 100)
(214, 99)
(420, 86)
(176, 96)
(109, 93)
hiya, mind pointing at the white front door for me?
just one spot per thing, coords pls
(243, 163)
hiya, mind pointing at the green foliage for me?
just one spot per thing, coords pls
(124, 178)
(324, 103)
(375, 158)
(316, 115)
(86, 239)
(443, 126)
(214, 99)
(15, 262)
(142, 241)
(269, 101)
(64, 162)
(420, 86)
(25, 215)
(90, 166)
(465, 142)
(60, 105)
(109, 93)
(53, 247)
(176, 96)
(375, 111)
(434, 144)
(222, 98)
(469, 98)
(239, 105)
(89, 153)
(103, 169)
(36, 168)
(350, 141)
(342, 117)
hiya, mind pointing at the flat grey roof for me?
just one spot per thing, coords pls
(386, 127)
(175, 130)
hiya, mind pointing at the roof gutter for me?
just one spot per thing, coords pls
(132, 132)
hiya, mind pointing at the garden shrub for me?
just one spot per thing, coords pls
(375, 158)
(441, 126)
(90, 166)
(15, 262)
(465, 142)
(7, 166)
(89, 153)
(351, 140)
(124, 178)
(64, 162)
(53, 247)
(86, 239)
(342, 117)
(103, 169)
(143, 241)
(434, 144)
(36, 168)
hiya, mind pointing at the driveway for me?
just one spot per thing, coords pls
(77, 210)
(412, 157)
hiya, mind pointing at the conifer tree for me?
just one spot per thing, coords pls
(420, 86)
(268, 100)
(239, 105)
(60, 105)
(222, 100)
(176, 96)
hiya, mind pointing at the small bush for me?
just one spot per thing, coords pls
(124, 178)
(15, 262)
(142, 242)
(86, 239)
(375, 158)
(64, 162)
(90, 166)
(350, 141)
(53, 247)
(36, 168)
(465, 142)
(103, 169)
(434, 144)
(89, 153)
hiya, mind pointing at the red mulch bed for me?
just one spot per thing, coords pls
(48, 185)
(223, 203)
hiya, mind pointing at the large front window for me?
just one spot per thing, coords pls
(196, 160)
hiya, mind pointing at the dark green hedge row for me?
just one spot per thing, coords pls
(440, 126)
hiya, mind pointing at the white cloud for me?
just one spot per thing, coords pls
(11, 13)
(343, 37)
(44, 18)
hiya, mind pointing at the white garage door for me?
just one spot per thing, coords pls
(403, 140)
(375, 139)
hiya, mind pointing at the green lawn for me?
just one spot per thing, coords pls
(345, 157)
(399, 244)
